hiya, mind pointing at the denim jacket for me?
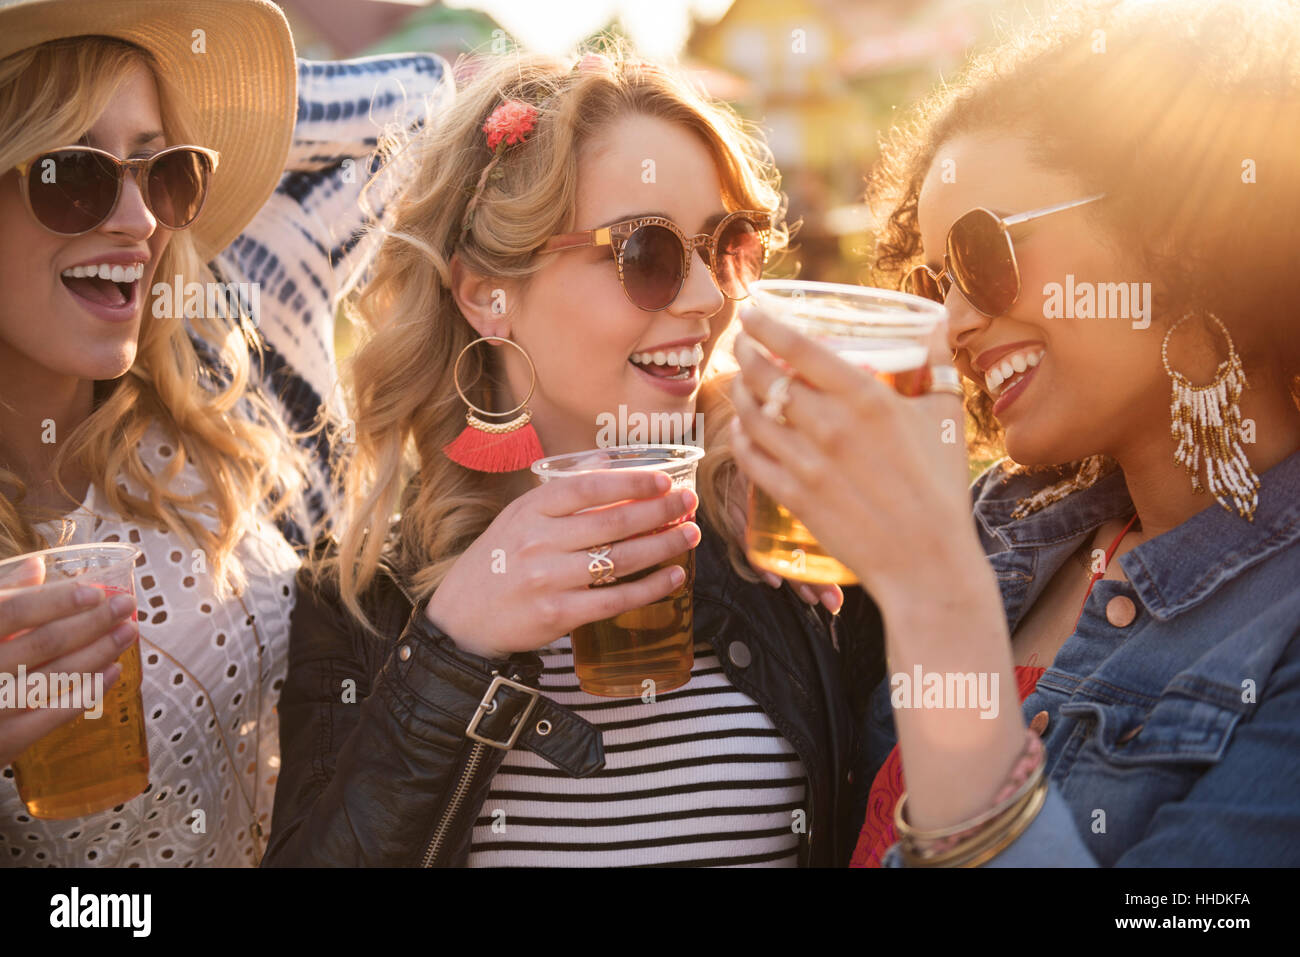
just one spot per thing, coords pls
(1174, 739)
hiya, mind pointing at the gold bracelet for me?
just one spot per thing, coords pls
(1034, 754)
(1017, 827)
(943, 852)
(989, 841)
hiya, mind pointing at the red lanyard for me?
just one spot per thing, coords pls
(1097, 576)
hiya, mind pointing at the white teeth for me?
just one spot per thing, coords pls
(683, 358)
(1003, 375)
(105, 271)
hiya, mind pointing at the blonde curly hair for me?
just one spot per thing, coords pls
(400, 380)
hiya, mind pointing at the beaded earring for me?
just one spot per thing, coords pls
(1206, 422)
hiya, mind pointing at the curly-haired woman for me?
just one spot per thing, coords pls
(1107, 204)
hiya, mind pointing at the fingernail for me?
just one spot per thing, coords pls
(662, 481)
(124, 634)
(836, 605)
(689, 499)
(85, 595)
(111, 674)
(121, 604)
(677, 575)
(807, 594)
(771, 579)
(691, 533)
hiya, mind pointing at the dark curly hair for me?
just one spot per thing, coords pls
(1159, 105)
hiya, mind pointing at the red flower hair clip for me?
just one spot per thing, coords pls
(509, 123)
(512, 121)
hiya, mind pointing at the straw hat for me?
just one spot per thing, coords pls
(242, 90)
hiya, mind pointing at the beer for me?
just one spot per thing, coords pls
(777, 542)
(615, 657)
(93, 763)
(90, 764)
(878, 330)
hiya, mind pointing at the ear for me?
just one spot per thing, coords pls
(484, 301)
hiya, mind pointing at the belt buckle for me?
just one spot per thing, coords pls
(487, 706)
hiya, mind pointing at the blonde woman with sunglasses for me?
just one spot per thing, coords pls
(137, 151)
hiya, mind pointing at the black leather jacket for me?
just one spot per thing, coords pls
(379, 767)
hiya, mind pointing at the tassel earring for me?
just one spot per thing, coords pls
(1206, 422)
(495, 447)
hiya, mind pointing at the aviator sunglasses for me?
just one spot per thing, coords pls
(980, 259)
(653, 254)
(73, 190)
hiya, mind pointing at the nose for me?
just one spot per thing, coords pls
(130, 217)
(964, 322)
(700, 295)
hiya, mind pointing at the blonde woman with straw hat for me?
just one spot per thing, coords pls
(139, 401)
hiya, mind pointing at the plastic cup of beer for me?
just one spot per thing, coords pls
(616, 657)
(884, 331)
(93, 763)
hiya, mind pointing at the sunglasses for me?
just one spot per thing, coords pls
(980, 259)
(654, 255)
(73, 190)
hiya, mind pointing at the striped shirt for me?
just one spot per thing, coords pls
(699, 777)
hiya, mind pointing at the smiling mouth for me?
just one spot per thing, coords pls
(679, 364)
(106, 285)
(1010, 369)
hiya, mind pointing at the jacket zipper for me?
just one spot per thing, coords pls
(457, 797)
(466, 776)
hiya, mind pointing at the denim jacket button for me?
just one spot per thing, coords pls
(739, 654)
(1120, 611)
(1039, 724)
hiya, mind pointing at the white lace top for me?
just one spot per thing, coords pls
(210, 714)
(199, 658)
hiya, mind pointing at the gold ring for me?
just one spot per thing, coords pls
(945, 378)
(601, 566)
(778, 394)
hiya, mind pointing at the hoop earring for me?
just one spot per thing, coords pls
(1206, 421)
(495, 447)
